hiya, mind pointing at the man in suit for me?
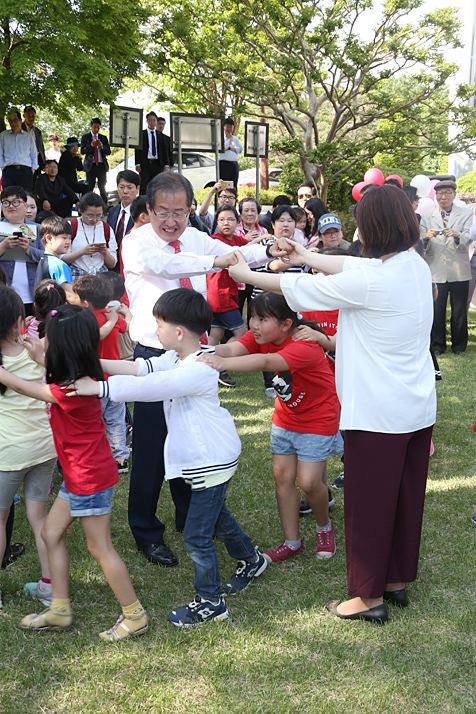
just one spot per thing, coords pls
(95, 148)
(119, 217)
(445, 234)
(29, 116)
(156, 154)
(69, 165)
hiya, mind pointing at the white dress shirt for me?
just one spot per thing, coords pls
(151, 268)
(229, 155)
(18, 149)
(150, 155)
(385, 378)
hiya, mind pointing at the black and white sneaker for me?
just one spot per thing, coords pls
(128, 435)
(339, 482)
(331, 498)
(225, 379)
(304, 507)
(199, 611)
(244, 574)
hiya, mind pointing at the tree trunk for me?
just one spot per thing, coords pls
(263, 165)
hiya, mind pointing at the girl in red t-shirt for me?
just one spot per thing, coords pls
(89, 470)
(305, 428)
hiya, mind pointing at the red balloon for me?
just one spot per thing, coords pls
(394, 176)
(374, 176)
(356, 190)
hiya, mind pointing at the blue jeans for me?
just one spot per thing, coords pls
(209, 516)
(114, 414)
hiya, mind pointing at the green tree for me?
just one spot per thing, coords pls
(66, 53)
(308, 65)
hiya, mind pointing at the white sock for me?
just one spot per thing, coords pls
(321, 529)
(293, 544)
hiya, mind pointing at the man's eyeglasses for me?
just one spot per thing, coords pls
(304, 195)
(15, 203)
(445, 193)
(227, 197)
(176, 216)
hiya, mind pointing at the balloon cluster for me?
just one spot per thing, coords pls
(425, 188)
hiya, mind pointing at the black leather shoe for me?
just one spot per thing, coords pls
(378, 614)
(16, 550)
(158, 554)
(397, 597)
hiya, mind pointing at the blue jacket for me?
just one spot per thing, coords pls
(113, 215)
(31, 263)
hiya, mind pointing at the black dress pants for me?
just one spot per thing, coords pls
(98, 172)
(147, 473)
(458, 293)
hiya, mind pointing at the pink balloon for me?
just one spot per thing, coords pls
(356, 190)
(424, 204)
(374, 176)
(394, 176)
(432, 190)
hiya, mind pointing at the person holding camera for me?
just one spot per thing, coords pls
(22, 249)
(444, 231)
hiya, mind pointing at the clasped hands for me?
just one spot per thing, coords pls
(288, 250)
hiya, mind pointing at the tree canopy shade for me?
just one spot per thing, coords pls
(324, 69)
(65, 53)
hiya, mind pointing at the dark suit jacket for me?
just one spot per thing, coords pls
(88, 151)
(113, 216)
(164, 149)
(69, 165)
(39, 145)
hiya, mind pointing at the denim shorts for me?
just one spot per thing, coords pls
(308, 447)
(94, 504)
(231, 320)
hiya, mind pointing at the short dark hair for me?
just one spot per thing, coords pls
(386, 221)
(161, 119)
(392, 182)
(92, 200)
(117, 282)
(54, 226)
(282, 200)
(229, 120)
(13, 112)
(184, 307)
(280, 210)
(367, 187)
(411, 192)
(249, 199)
(151, 114)
(95, 120)
(138, 206)
(51, 161)
(308, 185)
(129, 176)
(231, 190)
(29, 108)
(94, 289)
(231, 209)
(73, 345)
(168, 182)
(13, 191)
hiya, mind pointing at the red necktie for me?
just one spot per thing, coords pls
(184, 282)
(96, 151)
(187, 283)
(120, 228)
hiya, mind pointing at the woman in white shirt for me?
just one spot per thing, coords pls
(386, 390)
(94, 247)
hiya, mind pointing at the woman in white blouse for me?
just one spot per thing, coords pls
(386, 385)
(94, 247)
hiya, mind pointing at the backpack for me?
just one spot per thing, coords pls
(107, 230)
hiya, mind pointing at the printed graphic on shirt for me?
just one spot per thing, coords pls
(282, 383)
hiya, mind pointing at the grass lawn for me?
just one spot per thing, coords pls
(279, 652)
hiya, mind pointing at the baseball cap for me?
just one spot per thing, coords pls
(328, 220)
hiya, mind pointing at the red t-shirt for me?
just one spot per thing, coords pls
(306, 399)
(80, 440)
(222, 291)
(108, 347)
(327, 319)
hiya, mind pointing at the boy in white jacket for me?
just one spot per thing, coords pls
(202, 445)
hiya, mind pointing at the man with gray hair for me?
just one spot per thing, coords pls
(444, 231)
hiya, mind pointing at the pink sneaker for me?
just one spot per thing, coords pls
(282, 552)
(432, 448)
(326, 545)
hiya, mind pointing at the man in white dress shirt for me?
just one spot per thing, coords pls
(163, 255)
(229, 168)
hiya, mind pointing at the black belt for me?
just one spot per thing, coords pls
(153, 161)
(18, 167)
(158, 350)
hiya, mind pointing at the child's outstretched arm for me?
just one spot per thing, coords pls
(119, 366)
(30, 389)
(246, 363)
